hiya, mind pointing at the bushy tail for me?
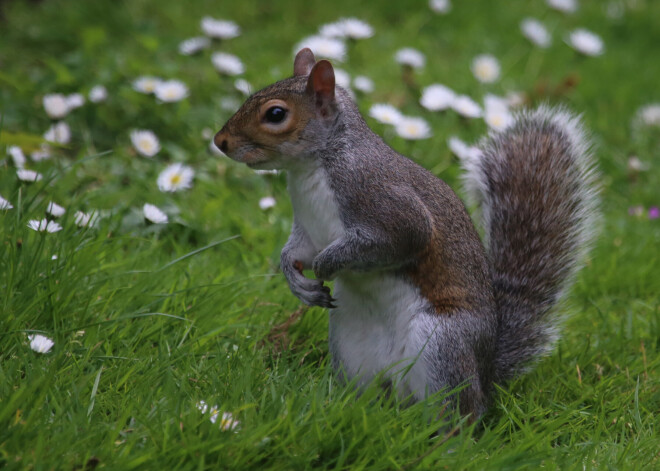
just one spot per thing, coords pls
(535, 183)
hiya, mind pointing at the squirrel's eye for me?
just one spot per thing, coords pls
(275, 114)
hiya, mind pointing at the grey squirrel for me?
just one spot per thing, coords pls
(417, 297)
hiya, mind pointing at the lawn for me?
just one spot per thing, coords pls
(153, 321)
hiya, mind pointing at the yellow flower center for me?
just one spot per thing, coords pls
(175, 179)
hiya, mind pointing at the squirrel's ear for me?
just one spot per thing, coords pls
(304, 62)
(321, 84)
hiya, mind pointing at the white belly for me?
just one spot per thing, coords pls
(314, 205)
(381, 325)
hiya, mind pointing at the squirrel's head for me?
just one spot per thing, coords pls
(285, 121)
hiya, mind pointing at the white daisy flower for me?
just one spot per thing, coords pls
(228, 422)
(515, 99)
(363, 84)
(332, 30)
(28, 175)
(440, 6)
(191, 46)
(243, 86)
(384, 113)
(356, 29)
(229, 103)
(175, 177)
(146, 84)
(636, 165)
(40, 343)
(44, 225)
(59, 133)
(154, 214)
(463, 151)
(437, 97)
(567, 6)
(220, 29)
(4, 204)
(43, 153)
(498, 118)
(227, 64)
(586, 42)
(466, 107)
(145, 142)
(55, 209)
(413, 128)
(266, 202)
(202, 406)
(17, 156)
(494, 101)
(650, 114)
(56, 105)
(75, 100)
(534, 30)
(84, 219)
(97, 94)
(342, 78)
(486, 68)
(410, 57)
(171, 90)
(328, 48)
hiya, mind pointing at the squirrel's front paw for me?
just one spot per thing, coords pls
(312, 292)
(323, 269)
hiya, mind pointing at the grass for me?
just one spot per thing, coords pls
(149, 320)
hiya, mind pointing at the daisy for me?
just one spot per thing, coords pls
(386, 114)
(56, 105)
(243, 86)
(650, 114)
(145, 142)
(586, 42)
(84, 219)
(342, 78)
(266, 202)
(55, 209)
(567, 6)
(4, 204)
(413, 128)
(498, 118)
(28, 175)
(44, 225)
(363, 84)
(154, 214)
(202, 406)
(440, 6)
(410, 57)
(192, 46)
(466, 107)
(227, 422)
(437, 97)
(220, 29)
(635, 165)
(43, 153)
(486, 68)
(328, 48)
(40, 343)
(146, 84)
(515, 99)
(171, 91)
(356, 29)
(463, 151)
(97, 94)
(332, 30)
(175, 177)
(75, 100)
(59, 133)
(17, 156)
(227, 64)
(534, 30)
(229, 103)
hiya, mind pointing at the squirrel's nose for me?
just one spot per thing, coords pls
(220, 141)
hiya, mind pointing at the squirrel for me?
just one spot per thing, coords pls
(417, 297)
